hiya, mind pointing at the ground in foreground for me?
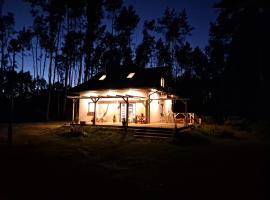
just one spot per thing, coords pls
(45, 162)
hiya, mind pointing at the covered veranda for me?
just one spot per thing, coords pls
(124, 121)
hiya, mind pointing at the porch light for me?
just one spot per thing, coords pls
(130, 75)
(102, 77)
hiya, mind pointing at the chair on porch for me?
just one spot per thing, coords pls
(141, 119)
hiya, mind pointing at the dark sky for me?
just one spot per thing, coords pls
(200, 14)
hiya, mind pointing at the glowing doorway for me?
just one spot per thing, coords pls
(131, 111)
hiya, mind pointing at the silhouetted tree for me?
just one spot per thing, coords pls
(125, 25)
(145, 50)
(24, 38)
(94, 14)
(163, 56)
(6, 30)
(113, 7)
(238, 42)
(14, 47)
(184, 60)
(174, 27)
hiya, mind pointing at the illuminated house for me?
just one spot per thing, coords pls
(137, 96)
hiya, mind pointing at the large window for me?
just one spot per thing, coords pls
(131, 111)
(162, 82)
(91, 107)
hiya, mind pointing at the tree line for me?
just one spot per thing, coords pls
(70, 41)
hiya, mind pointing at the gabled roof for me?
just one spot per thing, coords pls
(143, 78)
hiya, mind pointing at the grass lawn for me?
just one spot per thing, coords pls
(45, 162)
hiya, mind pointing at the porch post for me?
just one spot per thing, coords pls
(147, 111)
(94, 117)
(94, 100)
(127, 112)
(149, 105)
(73, 112)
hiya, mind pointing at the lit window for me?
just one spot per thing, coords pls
(102, 77)
(91, 107)
(130, 75)
(162, 82)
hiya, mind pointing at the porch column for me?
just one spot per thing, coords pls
(149, 105)
(73, 112)
(147, 111)
(94, 117)
(127, 112)
(125, 98)
(94, 100)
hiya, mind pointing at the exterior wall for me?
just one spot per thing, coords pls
(160, 110)
(154, 108)
(109, 109)
(168, 114)
(83, 110)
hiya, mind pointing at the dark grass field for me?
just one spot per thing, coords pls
(45, 162)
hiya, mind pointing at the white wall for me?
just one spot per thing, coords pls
(83, 111)
(168, 113)
(113, 105)
(154, 108)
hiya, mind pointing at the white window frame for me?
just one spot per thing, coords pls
(91, 107)
(102, 77)
(130, 75)
(162, 82)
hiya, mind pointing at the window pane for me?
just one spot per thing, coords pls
(91, 107)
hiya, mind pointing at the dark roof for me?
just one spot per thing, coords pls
(143, 78)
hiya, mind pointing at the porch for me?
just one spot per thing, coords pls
(127, 110)
(148, 125)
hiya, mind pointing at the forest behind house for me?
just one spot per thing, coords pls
(71, 41)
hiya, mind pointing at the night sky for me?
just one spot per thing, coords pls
(200, 14)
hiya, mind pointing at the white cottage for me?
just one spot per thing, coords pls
(134, 96)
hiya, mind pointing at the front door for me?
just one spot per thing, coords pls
(131, 111)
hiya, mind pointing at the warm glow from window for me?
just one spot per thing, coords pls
(134, 92)
(102, 77)
(162, 82)
(91, 107)
(130, 75)
(168, 105)
(90, 94)
(111, 93)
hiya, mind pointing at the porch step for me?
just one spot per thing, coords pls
(152, 132)
(151, 136)
(148, 132)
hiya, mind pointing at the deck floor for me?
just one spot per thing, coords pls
(150, 125)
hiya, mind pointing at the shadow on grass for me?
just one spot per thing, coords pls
(191, 137)
(73, 134)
